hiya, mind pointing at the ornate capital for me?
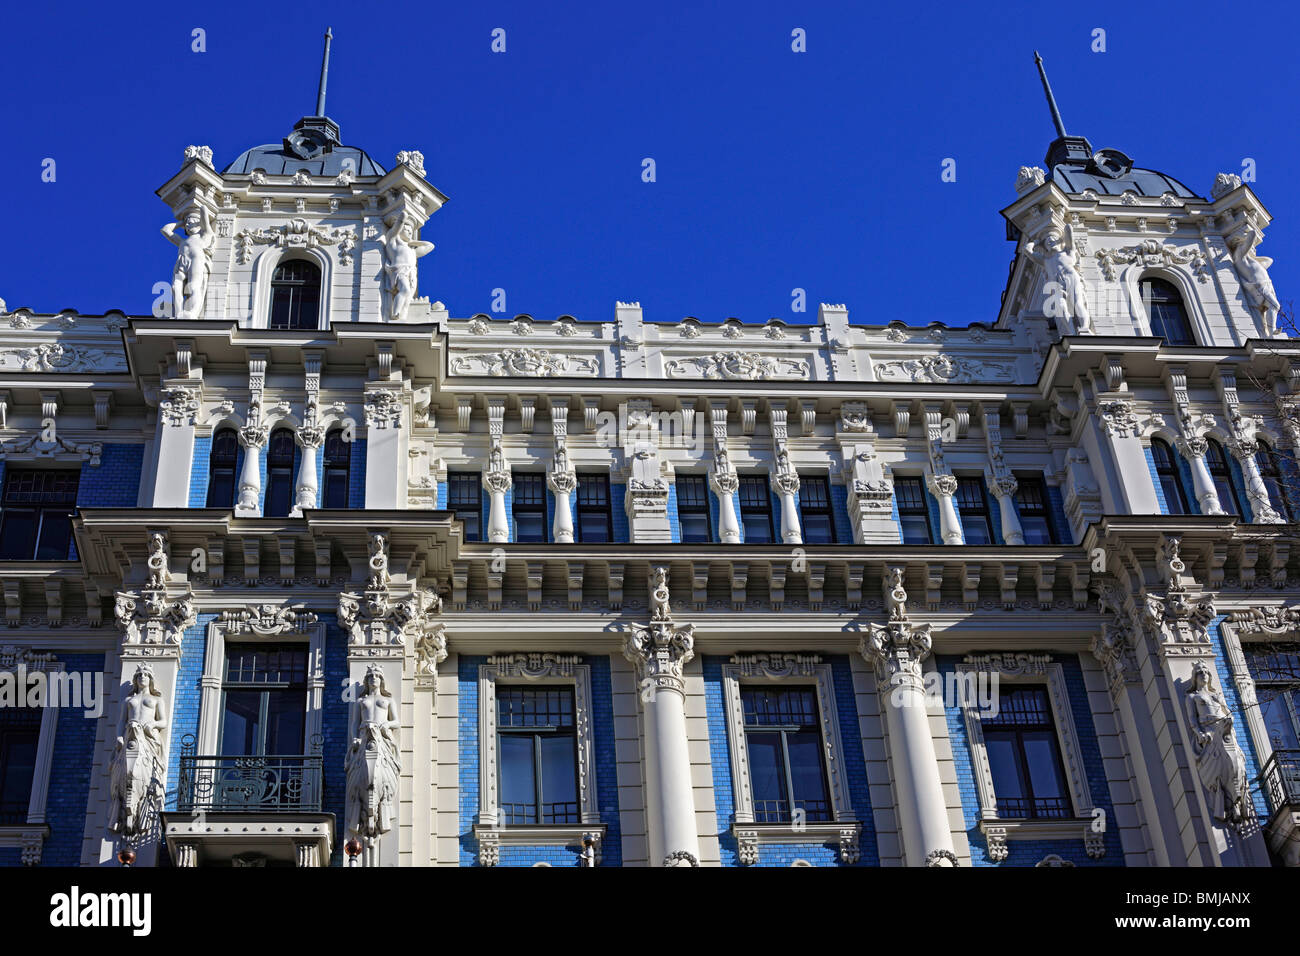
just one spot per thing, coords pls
(179, 405)
(253, 436)
(786, 483)
(724, 482)
(1193, 446)
(310, 436)
(1005, 486)
(151, 625)
(562, 482)
(1118, 419)
(942, 485)
(661, 649)
(383, 409)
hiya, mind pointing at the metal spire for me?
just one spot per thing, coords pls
(325, 71)
(1047, 88)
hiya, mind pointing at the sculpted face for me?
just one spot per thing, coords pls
(1052, 242)
(407, 232)
(193, 225)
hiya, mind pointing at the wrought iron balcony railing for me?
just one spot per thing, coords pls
(1281, 780)
(270, 783)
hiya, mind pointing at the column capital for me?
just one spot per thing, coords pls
(662, 648)
(897, 648)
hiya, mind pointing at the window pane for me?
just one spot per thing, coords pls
(1007, 783)
(758, 529)
(285, 721)
(593, 527)
(695, 528)
(817, 529)
(1278, 709)
(559, 780)
(805, 749)
(975, 529)
(517, 779)
(1045, 778)
(916, 529)
(530, 528)
(767, 777)
(56, 532)
(279, 494)
(241, 723)
(336, 489)
(18, 534)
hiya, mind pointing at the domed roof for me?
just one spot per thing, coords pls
(313, 146)
(1073, 166)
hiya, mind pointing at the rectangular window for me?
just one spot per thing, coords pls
(1024, 756)
(465, 498)
(1035, 517)
(756, 509)
(974, 507)
(1277, 674)
(537, 755)
(530, 508)
(36, 524)
(815, 510)
(693, 509)
(595, 523)
(20, 731)
(913, 512)
(264, 711)
(787, 770)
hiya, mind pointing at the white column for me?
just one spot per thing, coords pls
(896, 649)
(944, 489)
(659, 652)
(249, 502)
(497, 484)
(787, 486)
(1263, 513)
(1194, 449)
(726, 484)
(305, 495)
(562, 485)
(175, 447)
(1004, 489)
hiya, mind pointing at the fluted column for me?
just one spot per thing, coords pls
(896, 650)
(309, 438)
(659, 651)
(252, 437)
(944, 489)
(1004, 489)
(1194, 449)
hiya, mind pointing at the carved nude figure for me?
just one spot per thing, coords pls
(1067, 300)
(137, 756)
(373, 765)
(193, 263)
(1219, 761)
(1253, 271)
(401, 250)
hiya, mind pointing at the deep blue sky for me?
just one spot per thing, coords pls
(775, 169)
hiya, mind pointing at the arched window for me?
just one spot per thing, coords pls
(1171, 482)
(279, 474)
(223, 469)
(338, 459)
(1222, 476)
(1270, 469)
(295, 295)
(1167, 313)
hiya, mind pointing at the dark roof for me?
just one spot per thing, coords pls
(314, 146)
(1074, 167)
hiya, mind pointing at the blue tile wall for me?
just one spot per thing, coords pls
(199, 472)
(320, 474)
(357, 475)
(674, 519)
(1233, 700)
(1056, 515)
(334, 728)
(840, 514)
(854, 769)
(1155, 480)
(11, 856)
(74, 746)
(189, 692)
(440, 501)
(602, 721)
(932, 505)
(1029, 852)
(617, 504)
(995, 517)
(113, 483)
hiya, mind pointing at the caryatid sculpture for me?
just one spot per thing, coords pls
(137, 756)
(402, 247)
(193, 263)
(1067, 300)
(1219, 761)
(373, 765)
(1253, 271)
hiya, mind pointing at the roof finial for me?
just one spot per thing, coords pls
(1047, 88)
(325, 71)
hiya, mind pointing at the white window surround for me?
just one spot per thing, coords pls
(1130, 280)
(30, 837)
(1030, 669)
(264, 268)
(1261, 625)
(527, 669)
(268, 623)
(798, 669)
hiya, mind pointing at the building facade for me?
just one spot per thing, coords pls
(362, 582)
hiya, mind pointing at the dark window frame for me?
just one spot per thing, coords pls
(469, 509)
(336, 470)
(1166, 311)
(38, 517)
(1169, 477)
(1031, 486)
(20, 727)
(295, 301)
(913, 509)
(592, 487)
(756, 507)
(819, 486)
(976, 508)
(553, 731)
(280, 474)
(1005, 725)
(1216, 461)
(1269, 462)
(534, 505)
(223, 467)
(258, 682)
(804, 720)
(695, 507)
